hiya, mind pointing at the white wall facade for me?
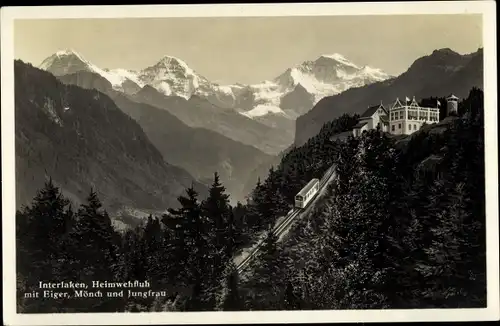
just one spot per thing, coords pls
(405, 120)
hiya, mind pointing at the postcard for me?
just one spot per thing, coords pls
(250, 163)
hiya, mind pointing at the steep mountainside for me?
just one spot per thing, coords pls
(438, 74)
(200, 151)
(199, 113)
(81, 139)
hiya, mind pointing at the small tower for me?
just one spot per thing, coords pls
(451, 105)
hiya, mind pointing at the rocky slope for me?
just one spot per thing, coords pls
(197, 112)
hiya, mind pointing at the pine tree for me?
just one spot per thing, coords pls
(97, 250)
(94, 247)
(233, 300)
(188, 229)
(133, 264)
(193, 250)
(292, 301)
(41, 227)
(253, 216)
(41, 231)
(242, 229)
(155, 249)
(217, 210)
(218, 214)
(268, 279)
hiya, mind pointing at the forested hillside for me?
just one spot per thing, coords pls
(81, 139)
(274, 196)
(402, 226)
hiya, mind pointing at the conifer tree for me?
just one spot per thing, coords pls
(269, 275)
(292, 301)
(188, 233)
(217, 211)
(41, 227)
(155, 248)
(242, 229)
(193, 250)
(232, 300)
(96, 249)
(253, 216)
(41, 232)
(221, 236)
(133, 256)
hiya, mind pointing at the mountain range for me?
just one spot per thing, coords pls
(82, 140)
(440, 73)
(230, 109)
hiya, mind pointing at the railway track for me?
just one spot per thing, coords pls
(285, 224)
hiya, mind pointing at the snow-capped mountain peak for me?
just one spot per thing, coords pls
(172, 76)
(62, 58)
(339, 58)
(69, 52)
(171, 61)
(69, 61)
(329, 74)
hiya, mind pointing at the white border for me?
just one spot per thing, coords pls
(486, 8)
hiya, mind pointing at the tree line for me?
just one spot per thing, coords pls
(186, 252)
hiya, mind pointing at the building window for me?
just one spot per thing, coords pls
(400, 115)
(412, 115)
(393, 127)
(415, 126)
(399, 126)
(409, 126)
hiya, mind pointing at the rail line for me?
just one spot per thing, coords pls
(285, 224)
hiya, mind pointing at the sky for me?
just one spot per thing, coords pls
(248, 49)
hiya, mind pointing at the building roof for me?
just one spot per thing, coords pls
(360, 124)
(452, 97)
(398, 104)
(371, 110)
(307, 187)
(384, 119)
(341, 136)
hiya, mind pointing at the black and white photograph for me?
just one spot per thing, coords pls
(246, 161)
